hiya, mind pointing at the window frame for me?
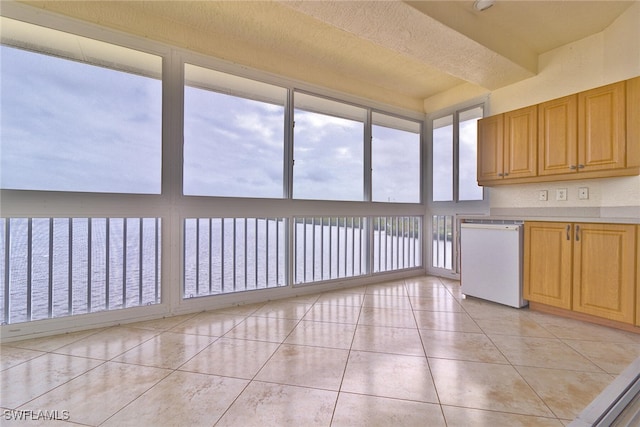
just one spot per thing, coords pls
(455, 113)
(455, 208)
(236, 90)
(130, 60)
(420, 154)
(172, 207)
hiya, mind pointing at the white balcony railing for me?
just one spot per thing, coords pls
(55, 267)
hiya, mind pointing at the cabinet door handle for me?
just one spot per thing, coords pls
(572, 167)
(569, 232)
(500, 174)
(580, 166)
(577, 233)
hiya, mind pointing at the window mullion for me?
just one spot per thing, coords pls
(288, 147)
(456, 156)
(367, 167)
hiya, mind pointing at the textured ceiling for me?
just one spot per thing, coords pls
(395, 52)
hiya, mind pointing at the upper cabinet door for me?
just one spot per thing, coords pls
(601, 128)
(521, 142)
(558, 136)
(633, 122)
(490, 148)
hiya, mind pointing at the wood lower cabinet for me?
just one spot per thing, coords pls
(547, 263)
(638, 276)
(604, 263)
(584, 267)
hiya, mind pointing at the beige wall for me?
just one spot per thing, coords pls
(603, 58)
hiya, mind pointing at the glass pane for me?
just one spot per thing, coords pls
(233, 145)
(468, 188)
(442, 235)
(91, 125)
(395, 163)
(443, 159)
(328, 150)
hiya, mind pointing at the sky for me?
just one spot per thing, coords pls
(69, 126)
(443, 162)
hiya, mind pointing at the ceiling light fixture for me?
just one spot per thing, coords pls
(481, 5)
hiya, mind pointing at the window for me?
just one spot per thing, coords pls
(233, 135)
(328, 149)
(468, 188)
(84, 113)
(455, 156)
(395, 159)
(78, 114)
(443, 159)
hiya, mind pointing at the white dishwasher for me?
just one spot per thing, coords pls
(491, 262)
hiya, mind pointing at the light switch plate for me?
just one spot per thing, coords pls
(561, 194)
(543, 195)
(583, 193)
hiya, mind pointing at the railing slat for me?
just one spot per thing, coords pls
(89, 225)
(29, 265)
(107, 267)
(7, 270)
(50, 272)
(70, 270)
(157, 261)
(210, 255)
(141, 262)
(124, 262)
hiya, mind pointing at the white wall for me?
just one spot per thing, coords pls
(603, 58)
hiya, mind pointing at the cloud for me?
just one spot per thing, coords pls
(74, 127)
(71, 126)
(233, 146)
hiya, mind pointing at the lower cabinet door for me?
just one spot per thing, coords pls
(604, 270)
(547, 263)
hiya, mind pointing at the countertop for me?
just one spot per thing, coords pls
(505, 219)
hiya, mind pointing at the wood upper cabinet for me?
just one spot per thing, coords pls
(633, 123)
(591, 134)
(601, 128)
(558, 136)
(548, 263)
(520, 142)
(490, 148)
(507, 145)
(604, 264)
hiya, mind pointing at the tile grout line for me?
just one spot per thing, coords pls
(250, 381)
(426, 356)
(344, 371)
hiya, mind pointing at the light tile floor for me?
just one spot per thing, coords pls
(401, 353)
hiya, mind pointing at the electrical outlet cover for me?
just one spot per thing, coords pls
(561, 194)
